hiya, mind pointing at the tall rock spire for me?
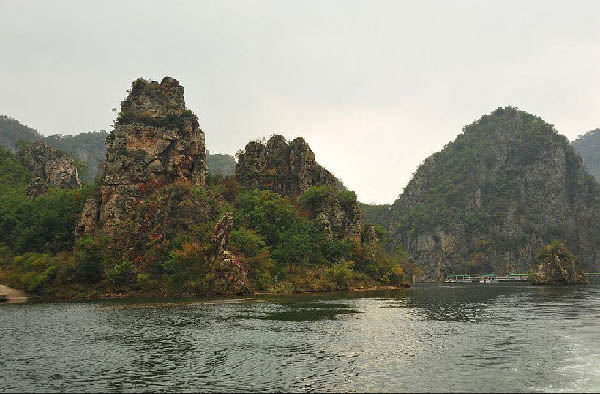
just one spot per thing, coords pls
(156, 141)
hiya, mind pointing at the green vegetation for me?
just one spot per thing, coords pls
(445, 203)
(487, 201)
(451, 178)
(555, 250)
(275, 245)
(44, 224)
(380, 214)
(169, 121)
(36, 236)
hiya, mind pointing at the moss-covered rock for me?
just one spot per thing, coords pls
(556, 266)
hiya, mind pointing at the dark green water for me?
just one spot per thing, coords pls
(429, 338)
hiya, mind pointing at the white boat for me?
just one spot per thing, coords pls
(465, 278)
(491, 278)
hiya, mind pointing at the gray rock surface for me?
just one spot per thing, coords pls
(285, 168)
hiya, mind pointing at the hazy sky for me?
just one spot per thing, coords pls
(373, 86)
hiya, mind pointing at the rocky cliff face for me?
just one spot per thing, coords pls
(285, 168)
(156, 142)
(489, 200)
(340, 219)
(50, 168)
(290, 169)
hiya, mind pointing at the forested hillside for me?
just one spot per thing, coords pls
(220, 164)
(380, 214)
(491, 198)
(89, 147)
(11, 132)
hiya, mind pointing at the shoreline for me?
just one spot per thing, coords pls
(113, 296)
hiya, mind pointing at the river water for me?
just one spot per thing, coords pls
(498, 337)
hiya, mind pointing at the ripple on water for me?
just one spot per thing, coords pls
(430, 338)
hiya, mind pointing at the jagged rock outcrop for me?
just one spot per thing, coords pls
(556, 266)
(489, 200)
(50, 168)
(338, 219)
(285, 168)
(221, 235)
(156, 142)
(231, 275)
(290, 169)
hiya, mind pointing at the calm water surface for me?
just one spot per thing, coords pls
(429, 338)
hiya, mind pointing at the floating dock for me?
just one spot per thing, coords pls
(487, 278)
(493, 278)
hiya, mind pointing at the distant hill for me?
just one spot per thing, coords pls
(491, 198)
(588, 147)
(88, 147)
(377, 214)
(220, 164)
(11, 132)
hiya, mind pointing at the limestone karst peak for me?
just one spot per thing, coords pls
(288, 168)
(490, 199)
(149, 101)
(156, 141)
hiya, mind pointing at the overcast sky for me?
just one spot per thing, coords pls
(374, 86)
